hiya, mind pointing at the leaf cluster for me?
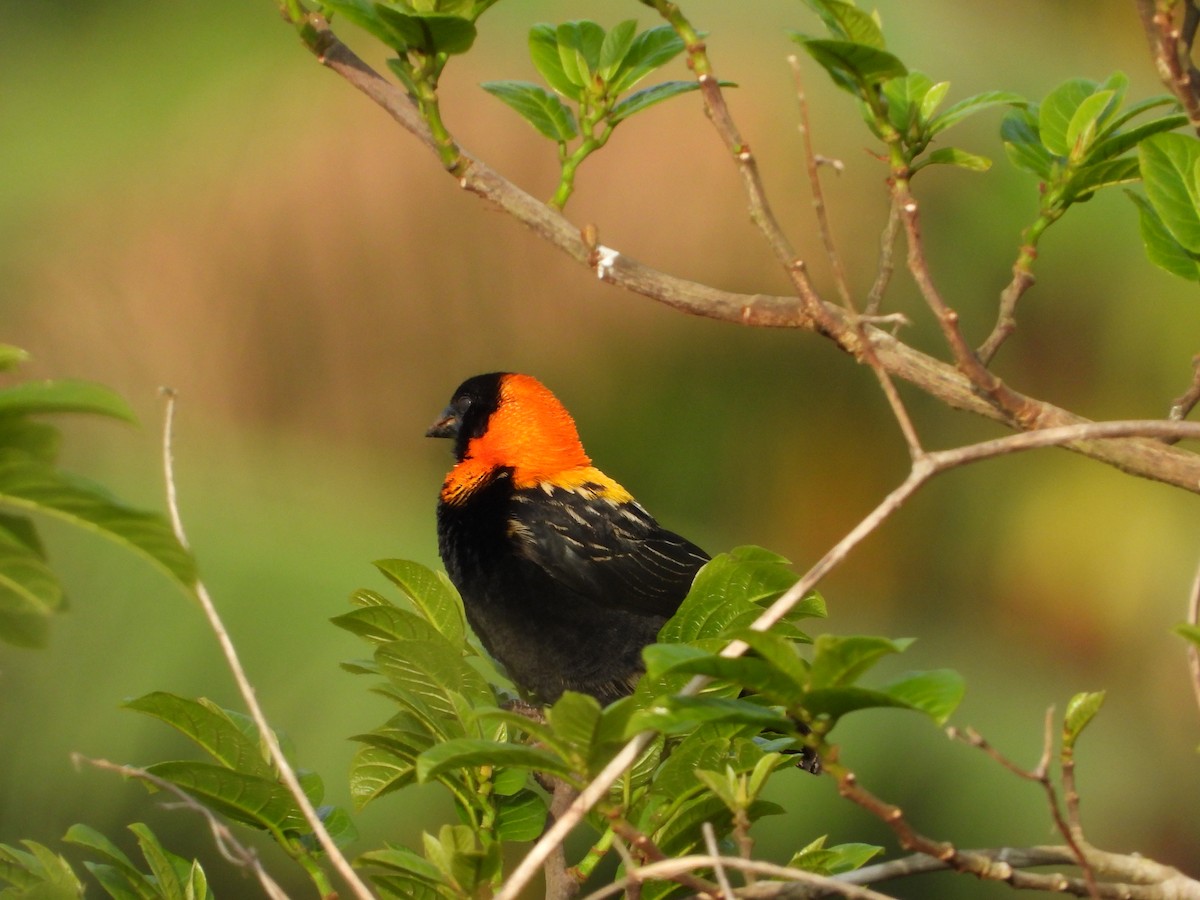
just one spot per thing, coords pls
(711, 757)
(32, 482)
(590, 72)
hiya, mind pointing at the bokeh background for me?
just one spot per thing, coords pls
(188, 199)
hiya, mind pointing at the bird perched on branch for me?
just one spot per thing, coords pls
(564, 576)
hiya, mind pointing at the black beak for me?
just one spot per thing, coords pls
(447, 424)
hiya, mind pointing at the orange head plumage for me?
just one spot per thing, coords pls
(510, 422)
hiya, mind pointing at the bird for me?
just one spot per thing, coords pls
(564, 576)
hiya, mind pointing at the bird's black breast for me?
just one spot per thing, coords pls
(563, 592)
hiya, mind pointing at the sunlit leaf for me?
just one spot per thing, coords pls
(431, 593)
(1161, 247)
(647, 97)
(1058, 109)
(465, 753)
(537, 106)
(956, 112)
(651, 49)
(543, 50)
(1081, 709)
(31, 484)
(209, 727)
(249, 799)
(37, 397)
(1168, 164)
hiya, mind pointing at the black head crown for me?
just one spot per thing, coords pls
(470, 408)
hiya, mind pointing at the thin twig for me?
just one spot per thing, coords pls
(1182, 406)
(923, 469)
(710, 844)
(286, 774)
(887, 263)
(1070, 830)
(907, 429)
(814, 180)
(671, 869)
(1193, 617)
(229, 846)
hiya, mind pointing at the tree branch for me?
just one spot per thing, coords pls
(1170, 55)
(266, 734)
(936, 378)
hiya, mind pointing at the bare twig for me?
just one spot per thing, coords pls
(229, 846)
(821, 885)
(1070, 830)
(1182, 406)
(1143, 879)
(818, 195)
(710, 844)
(1022, 280)
(1193, 617)
(887, 264)
(286, 774)
(923, 469)
(814, 177)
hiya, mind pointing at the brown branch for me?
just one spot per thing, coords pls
(1142, 879)
(887, 265)
(1171, 55)
(1006, 322)
(1040, 774)
(1182, 406)
(934, 377)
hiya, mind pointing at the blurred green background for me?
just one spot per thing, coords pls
(188, 199)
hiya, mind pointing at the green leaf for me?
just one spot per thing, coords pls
(682, 714)
(27, 584)
(904, 97)
(953, 156)
(839, 661)
(435, 672)
(615, 47)
(574, 719)
(853, 67)
(937, 693)
(363, 14)
(1089, 179)
(428, 33)
(1023, 145)
(209, 727)
(1081, 709)
(1161, 247)
(30, 484)
(847, 22)
(255, 801)
(38, 440)
(1188, 632)
(468, 753)
(37, 873)
(651, 49)
(1081, 130)
(932, 100)
(956, 112)
(521, 817)
(401, 859)
(1168, 164)
(169, 870)
(1057, 111)
(822, 860)
(119, 869)
(382, 623)
(647, 97)
(431, 593)
(728, 591)
(579, 45)
(1117, 143)
(35, 397)
(12, 358)
(543, 50)
(538, 107)
(376, 771)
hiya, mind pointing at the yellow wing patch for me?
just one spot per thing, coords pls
(587, 481)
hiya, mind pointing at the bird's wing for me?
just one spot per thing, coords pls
(612, 553)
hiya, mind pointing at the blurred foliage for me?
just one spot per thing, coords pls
(215, 212)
